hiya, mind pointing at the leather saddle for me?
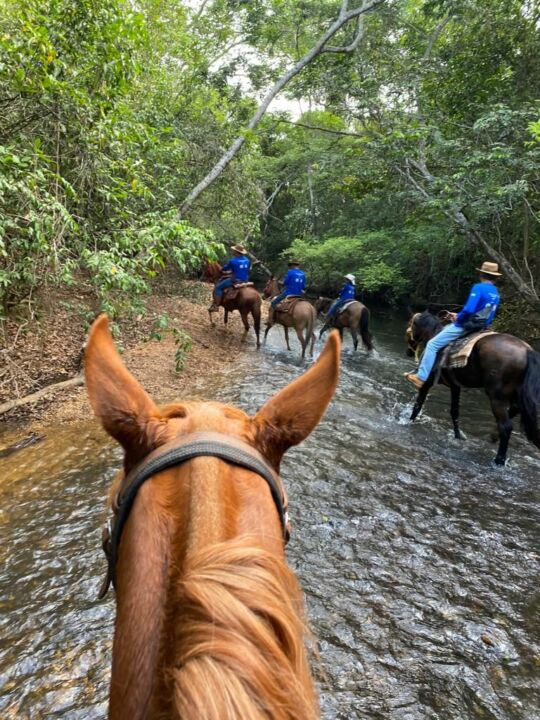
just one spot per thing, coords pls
(232, 292)
(288, 304)
(344, 307)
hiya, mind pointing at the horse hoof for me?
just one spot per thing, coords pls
(499, 462)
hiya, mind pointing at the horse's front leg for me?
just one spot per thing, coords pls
(226, 318)
(421, 399)
(505, 426)
(455, 391)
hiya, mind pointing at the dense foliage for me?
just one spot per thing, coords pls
(425, 159)
(418, 157)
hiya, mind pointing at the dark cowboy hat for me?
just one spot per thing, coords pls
(239, 249)
(489, 268)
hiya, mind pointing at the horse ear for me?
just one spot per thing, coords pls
(126, 411)
(290, 416)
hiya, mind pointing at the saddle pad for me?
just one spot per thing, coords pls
(344, 307)
(288, 304)
(458, 352)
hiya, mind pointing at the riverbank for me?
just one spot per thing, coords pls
(47, 351)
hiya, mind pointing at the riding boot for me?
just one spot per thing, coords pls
(214, 307)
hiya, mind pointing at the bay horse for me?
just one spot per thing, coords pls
(507, 368)
(248, 302)
(302, 318)
(209, 618)
(355, 317)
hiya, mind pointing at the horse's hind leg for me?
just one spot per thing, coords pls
(256, 315)
(303, 343)
(286, 329)
(354, 336)
(454, 410)
(499, 407)
(245, 322)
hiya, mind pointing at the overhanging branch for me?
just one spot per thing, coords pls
(345, 16)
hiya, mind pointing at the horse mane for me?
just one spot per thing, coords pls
(426, 321)
(239, 640)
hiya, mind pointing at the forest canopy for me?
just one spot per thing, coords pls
(405, 147)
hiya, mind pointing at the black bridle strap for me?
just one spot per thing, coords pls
(207, 444)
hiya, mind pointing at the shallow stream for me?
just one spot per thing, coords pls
(420, 561)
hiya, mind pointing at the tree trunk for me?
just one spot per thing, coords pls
(527, 291)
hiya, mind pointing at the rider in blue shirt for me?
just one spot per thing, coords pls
(236, 270)
(347, 292)
(482, 303)
(294, 283)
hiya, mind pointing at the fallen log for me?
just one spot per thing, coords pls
(34, 397)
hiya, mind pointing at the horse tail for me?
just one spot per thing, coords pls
(240, 639)
(367, 338)
(529, 398)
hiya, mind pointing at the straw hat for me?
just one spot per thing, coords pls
(294, 262)
(239, 249)
(351, 278)
(489, 268)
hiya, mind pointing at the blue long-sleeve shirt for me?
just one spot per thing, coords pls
(294, 281)
(483, 295)
(240, 267)
(347, 292)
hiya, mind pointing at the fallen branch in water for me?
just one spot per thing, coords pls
(34, 397)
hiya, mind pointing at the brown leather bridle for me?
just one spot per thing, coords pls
(172, 454)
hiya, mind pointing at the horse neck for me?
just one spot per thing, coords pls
(201, 609)
(272, 288)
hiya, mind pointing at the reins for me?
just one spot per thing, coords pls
(172, 454)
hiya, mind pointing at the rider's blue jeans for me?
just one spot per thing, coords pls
(221, 286)
(447, 335)
(334, 307)
(275, 301)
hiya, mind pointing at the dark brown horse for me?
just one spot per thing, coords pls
(302, 318)
(248, 302)
(209, 618)
(507, 368)
(355, 317)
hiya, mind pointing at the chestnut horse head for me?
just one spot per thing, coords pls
(209, 621)
(211, 271)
